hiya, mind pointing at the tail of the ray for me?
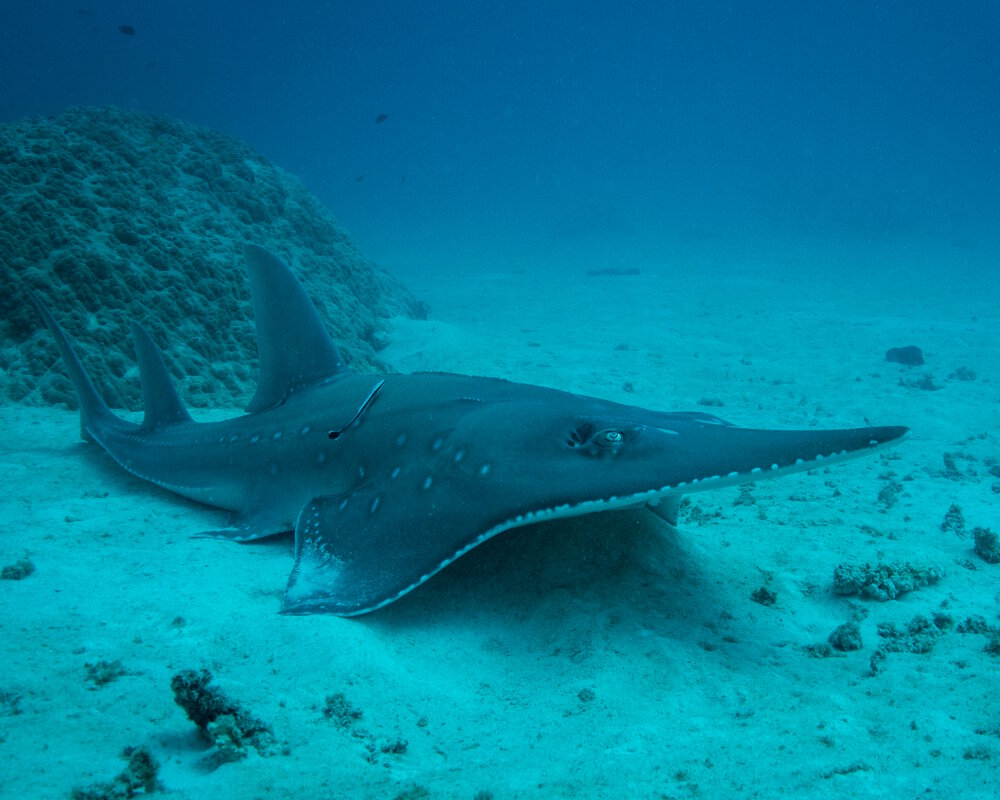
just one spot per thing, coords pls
(94, 412)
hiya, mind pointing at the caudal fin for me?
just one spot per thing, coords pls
(94, 412)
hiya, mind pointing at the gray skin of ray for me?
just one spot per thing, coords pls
(386, 479)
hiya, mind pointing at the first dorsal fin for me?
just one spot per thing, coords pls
(295, 349)
(162, 403)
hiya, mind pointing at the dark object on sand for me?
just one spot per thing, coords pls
(613, 271)
(230, 726)
(846, 637)
(338, 708)
(381, 118)
(139, 777)
(883, 581)
(910, 355)
(962, 374)
(924, 384)
(954, 520)
(104, 672)
(128, 30)
(18, 571)
(764, 596)
(987, 545)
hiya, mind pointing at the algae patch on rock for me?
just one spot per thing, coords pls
(113, 215)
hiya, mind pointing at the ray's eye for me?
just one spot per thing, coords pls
(596, 442)
(610, 438)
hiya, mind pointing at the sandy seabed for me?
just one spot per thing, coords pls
(607, 656)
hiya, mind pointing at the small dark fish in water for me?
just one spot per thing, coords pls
(381, 118)
(128, 30)
(359, 178)
(85, 12)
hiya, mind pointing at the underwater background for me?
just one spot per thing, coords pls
(519, 129)
(732, 207)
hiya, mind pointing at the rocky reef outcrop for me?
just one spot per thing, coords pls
(113, 215)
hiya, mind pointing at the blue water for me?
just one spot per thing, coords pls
(515, 127)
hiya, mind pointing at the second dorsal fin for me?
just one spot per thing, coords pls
(162, 403)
